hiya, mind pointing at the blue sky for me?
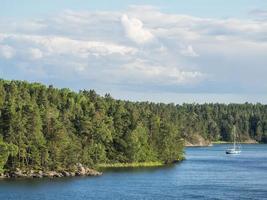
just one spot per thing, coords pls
(162, 51)
(201, 8)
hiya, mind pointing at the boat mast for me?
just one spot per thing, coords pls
(234, 136)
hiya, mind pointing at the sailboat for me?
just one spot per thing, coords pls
(235, 149)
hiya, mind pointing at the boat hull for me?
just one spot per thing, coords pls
(232, 151)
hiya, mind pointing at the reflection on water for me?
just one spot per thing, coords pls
(138, 169)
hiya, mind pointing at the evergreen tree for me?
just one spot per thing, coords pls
(48, 128)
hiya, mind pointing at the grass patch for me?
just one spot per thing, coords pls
(219, 142)
(135, 164)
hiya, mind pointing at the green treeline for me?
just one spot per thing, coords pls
(47, 128)
(53, 129)
(215, 122)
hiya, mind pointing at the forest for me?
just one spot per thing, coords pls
(53, 129)
(42, 127)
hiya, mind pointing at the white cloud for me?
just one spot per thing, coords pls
(189, 51)
(135, 31)
(140, 48)
(53, 45)
(7, 51)
(35, 53)
(144, 71)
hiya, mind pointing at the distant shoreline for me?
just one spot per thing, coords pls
(209, 144)
(244, 142)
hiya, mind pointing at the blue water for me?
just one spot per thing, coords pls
(207, 173)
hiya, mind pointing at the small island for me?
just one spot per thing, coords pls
(50, 132)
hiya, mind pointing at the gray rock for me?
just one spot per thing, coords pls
(72, 173)
(36, 175)
(92, 172)
(66, 174)
(81, 170)
(50, 174)
(17, 174)
(2, 175)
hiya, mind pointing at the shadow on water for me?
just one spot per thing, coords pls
(138, 169)
(36, 182)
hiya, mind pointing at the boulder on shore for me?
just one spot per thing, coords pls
(85, 171)
(2, 175)
(80, 170)
(197, 141)
(66, 174)
(18, 173)
(92, 172)
(52, 174)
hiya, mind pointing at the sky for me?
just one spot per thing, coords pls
(176, 51)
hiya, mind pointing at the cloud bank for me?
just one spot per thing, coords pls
(139, 49)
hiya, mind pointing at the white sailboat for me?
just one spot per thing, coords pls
(236, 148)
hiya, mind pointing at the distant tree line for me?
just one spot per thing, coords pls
(215, 122)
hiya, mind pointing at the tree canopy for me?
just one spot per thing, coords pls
(48, 128)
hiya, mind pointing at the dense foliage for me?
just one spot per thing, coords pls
(215, 122)
(48, 128)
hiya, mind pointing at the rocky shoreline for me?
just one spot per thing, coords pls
(80, 171)
(200, 142)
